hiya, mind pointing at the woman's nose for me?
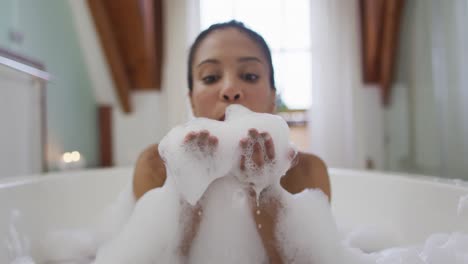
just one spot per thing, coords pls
(234, 97)
(231, 92)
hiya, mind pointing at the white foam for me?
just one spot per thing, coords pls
(439, 248)
(69, 246)
(409, 255)
(79, 246)
(152, 234)
(18, 243)
(228, 232)
(23, 260)
(215, 185)
(462, 205)
(306, 229)
(370, 239)
(116, 215)
(193, 172)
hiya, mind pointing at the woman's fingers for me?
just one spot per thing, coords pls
(291, 154)
(269, 146)
(202, 139)
(242, 163)
(212, 141)
(190, 137)
(257, 155)
(293, 157)
(253, 133)
(260, 154)
(244, 143)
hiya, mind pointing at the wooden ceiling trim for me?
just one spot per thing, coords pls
(380, 22)
(391, 29)
(133, 23)
(159, 41)
(371, 22)
(111, 51)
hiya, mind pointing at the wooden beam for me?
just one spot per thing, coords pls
(371, 32)
(391, 28)
(159, 41)
(111, 50)
(105, 135)
(134, 27)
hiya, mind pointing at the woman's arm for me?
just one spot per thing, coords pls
(309, 173)
(149, 173)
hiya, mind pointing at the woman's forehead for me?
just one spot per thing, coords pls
(227, 43)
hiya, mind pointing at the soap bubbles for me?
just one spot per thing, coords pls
(206, 186)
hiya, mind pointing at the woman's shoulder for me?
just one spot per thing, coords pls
(149, 153)
(309, 172)
(149, 172)
(312, 163)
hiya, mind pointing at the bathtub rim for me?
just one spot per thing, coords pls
(14, 181)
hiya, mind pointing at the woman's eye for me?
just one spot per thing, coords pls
(250, 77)
(210, 79)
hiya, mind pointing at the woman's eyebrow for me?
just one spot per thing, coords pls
(245, 59)
(215, 61)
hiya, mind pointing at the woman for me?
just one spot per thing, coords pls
(231, 64)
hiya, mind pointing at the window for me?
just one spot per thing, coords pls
(285, 25)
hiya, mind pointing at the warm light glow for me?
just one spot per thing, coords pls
(75, 156)
(67, 157)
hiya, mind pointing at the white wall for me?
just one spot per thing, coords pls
(134, 132)
(346, 117)
(181, 27)
(154, 112)
(20, 115)
(96, 65)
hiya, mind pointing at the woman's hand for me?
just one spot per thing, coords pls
(263, 149)
(201, 142)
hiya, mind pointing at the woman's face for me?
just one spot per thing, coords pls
(230, 68)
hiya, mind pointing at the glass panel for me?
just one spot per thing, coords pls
(268, 24)
(292, 70)
(296, 26)
(215, 11)
(425, 131)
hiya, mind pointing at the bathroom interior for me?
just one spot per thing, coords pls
(378, 89)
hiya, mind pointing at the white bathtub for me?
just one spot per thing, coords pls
(408, 207)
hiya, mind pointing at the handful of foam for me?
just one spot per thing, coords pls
(192, 173)
(156, 228)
